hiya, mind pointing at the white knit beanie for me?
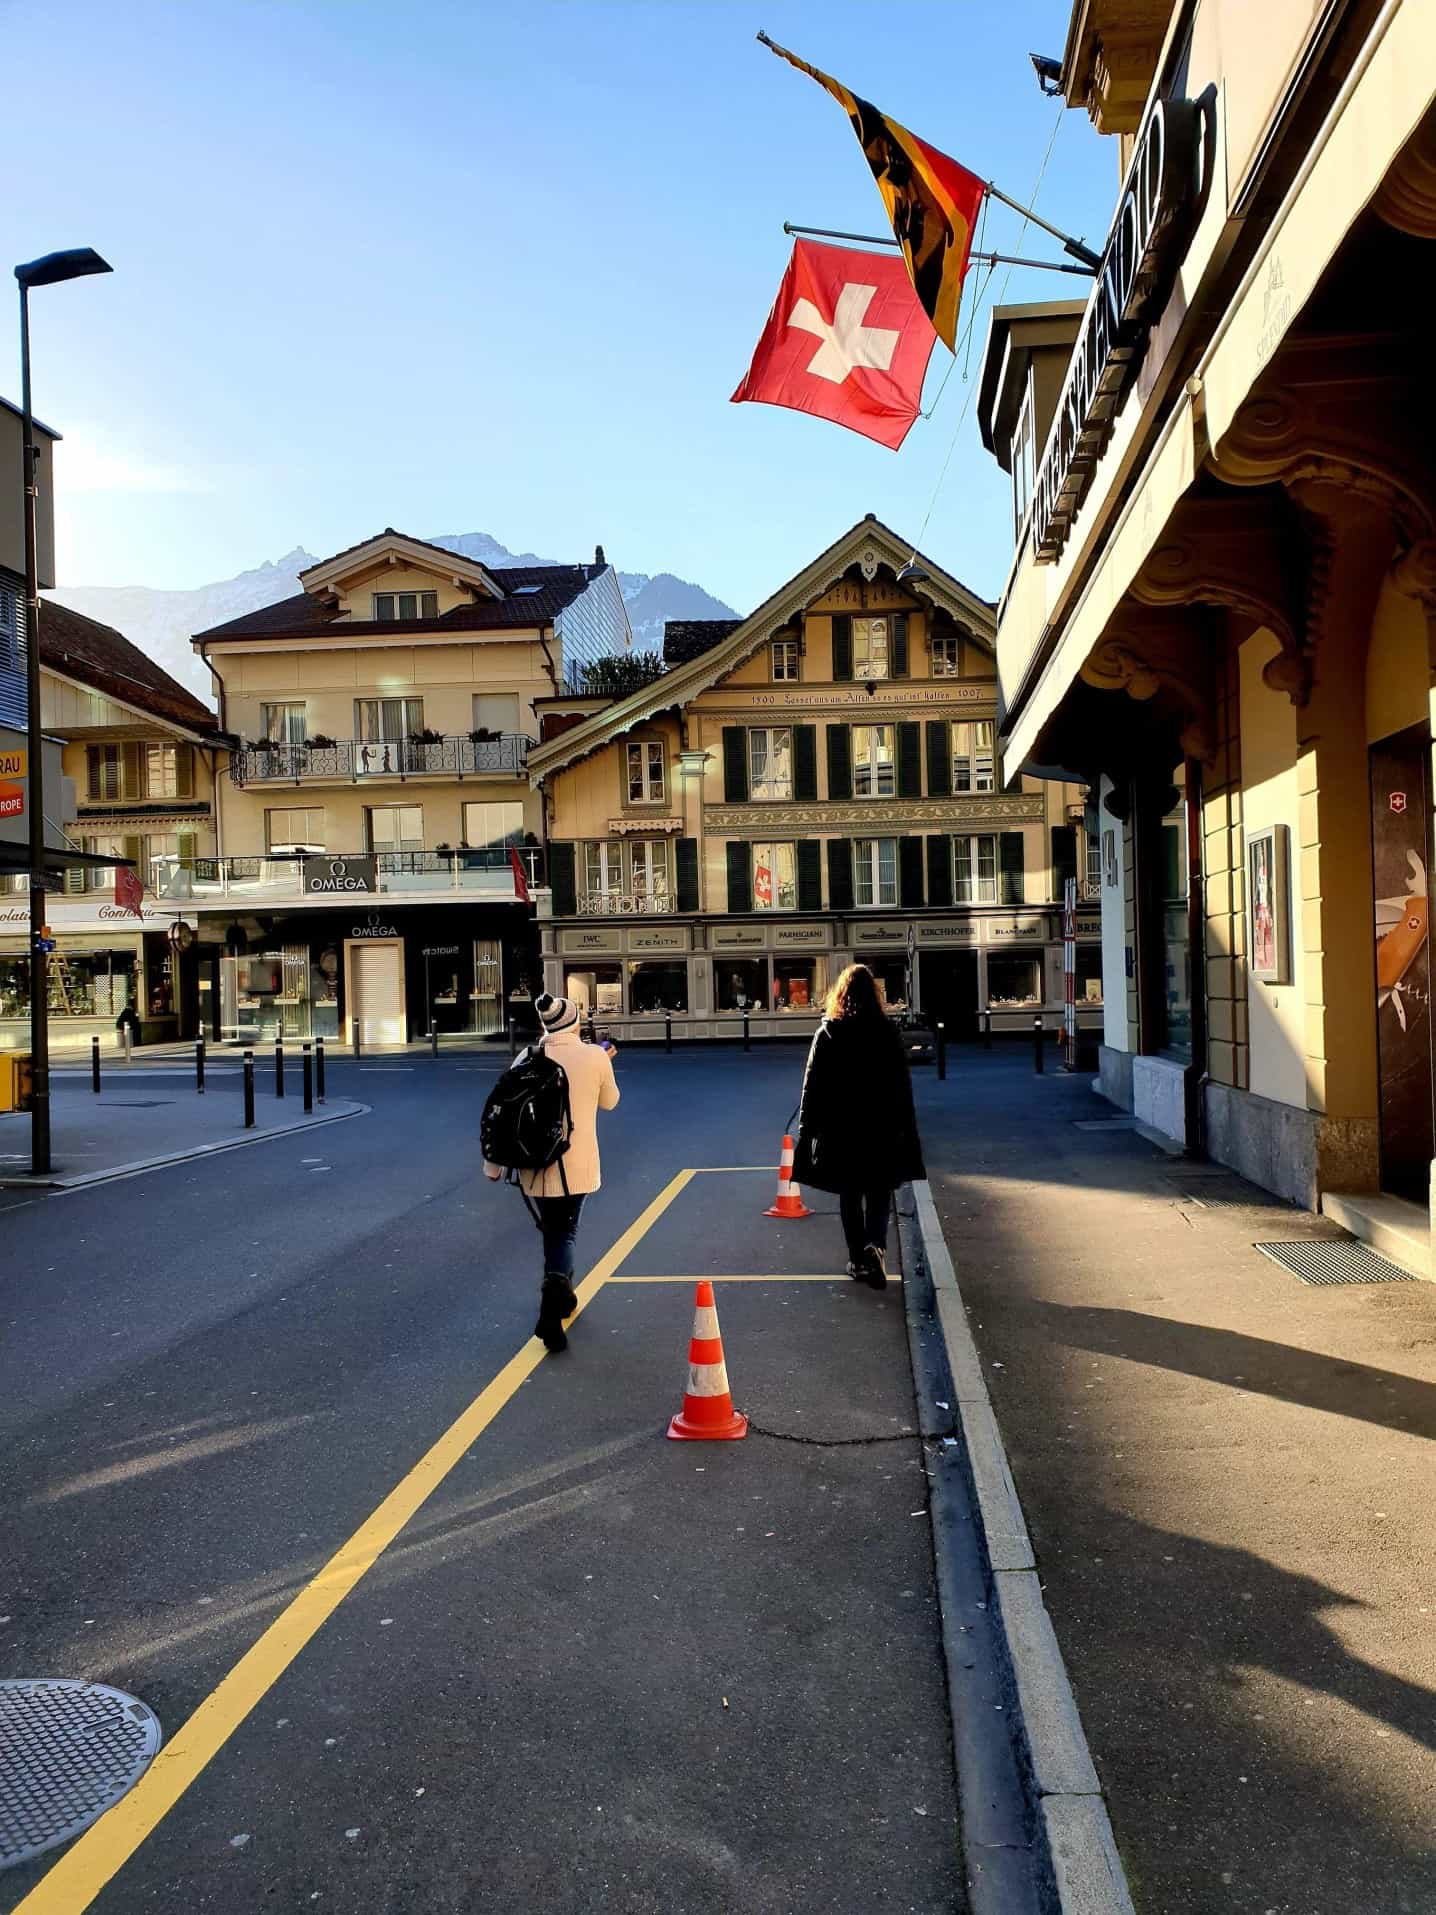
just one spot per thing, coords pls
(556, 1013)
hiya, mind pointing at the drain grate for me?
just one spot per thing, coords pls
(1323, 1262)
(1224, 1193)
(71, 1750)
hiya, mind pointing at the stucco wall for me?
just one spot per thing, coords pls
(1276, 1013)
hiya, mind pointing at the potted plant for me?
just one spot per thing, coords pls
(321, 741)
(482, 735)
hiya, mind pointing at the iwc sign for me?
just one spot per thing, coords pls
(345, 876)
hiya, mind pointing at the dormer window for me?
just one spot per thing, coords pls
(1024, 462)
(395, 607)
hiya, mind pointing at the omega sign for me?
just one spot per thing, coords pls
(344, 876)
(1159, 201)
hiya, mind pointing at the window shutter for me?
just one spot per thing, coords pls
(184, 771)
(840, 762)
(94, 759)
(1064, 858)
(735, 764)
(842, 645)
(740, 875)
(810, 875)
(939, 758)
(805, 762)
(1010, 860)
(686, 858)
(909, 761)
(132, 782)
(899, 658)
(561, 880)
(910, 871)
(840, 873)
(939, 870)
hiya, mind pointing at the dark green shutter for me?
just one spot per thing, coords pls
(840, 762)
(910, 872)
(842, 646)
(740, 876)
(909, 760)
(805, 762)
(686, 857)
(810, 875)
(939, 758)
(939, 870)
(840, 874)
(735, 764)
(1010, 857)
(561, 880)
(1064, 858)
(899, 658)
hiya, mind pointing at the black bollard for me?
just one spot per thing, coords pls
(199, 1066)
(433, 1038)
(1038, 1062)
(941, 1052)
(95, 1065)
(279, 1067)
(308, 1079)
(319, 1068)
(668, 1033)
(354, 1035)
(747, 1034)
(987, 1030)
(249, 1090)
(513, 1037)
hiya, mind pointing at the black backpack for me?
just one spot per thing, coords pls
(527, 1123)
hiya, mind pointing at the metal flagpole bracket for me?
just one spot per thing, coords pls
(994, 259)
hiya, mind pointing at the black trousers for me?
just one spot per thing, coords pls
(558, 1220)
(865, 1211)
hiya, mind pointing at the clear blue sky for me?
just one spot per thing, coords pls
(461, 267)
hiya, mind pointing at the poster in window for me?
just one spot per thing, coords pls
(763, 885)
(1268, 906)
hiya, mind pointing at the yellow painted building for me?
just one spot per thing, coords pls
(1222, 606)
(809, 785)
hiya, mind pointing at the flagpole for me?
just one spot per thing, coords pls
(996, 259)
(1075, 247)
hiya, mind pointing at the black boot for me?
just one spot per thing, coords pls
(556, 1301)
(875, 1270)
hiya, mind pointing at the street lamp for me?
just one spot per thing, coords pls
(39, 272)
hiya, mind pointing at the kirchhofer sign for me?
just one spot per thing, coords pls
(962, 931)
(342, 876)
(1159, 201)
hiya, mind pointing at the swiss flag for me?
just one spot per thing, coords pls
(129, 890)
(847, 341)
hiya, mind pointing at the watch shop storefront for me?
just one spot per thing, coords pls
(396, 972)
(109, 970)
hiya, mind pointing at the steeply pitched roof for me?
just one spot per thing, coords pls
(552, 587)
(100, 657)
(685, 638)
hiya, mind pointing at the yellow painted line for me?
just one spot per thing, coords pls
(83, 1871)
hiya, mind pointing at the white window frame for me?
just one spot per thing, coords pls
(874, 776)
(946, 652)
(607, 865)
(310, 813)
(870, 890)
(970, 883)
(769, 743)
(973, 762)
(10, 657)
(387, 607)
(398, 844)
(647, 868)
(487, 815)
(646, 769)
(780, 859)
(784, 655)
(1024, 460)
(381, 713)
(872, 646)
(285, 721)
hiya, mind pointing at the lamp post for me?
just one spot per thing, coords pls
(48, 271)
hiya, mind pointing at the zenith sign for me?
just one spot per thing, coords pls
(847, 343)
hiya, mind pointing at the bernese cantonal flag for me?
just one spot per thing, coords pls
(846, 340)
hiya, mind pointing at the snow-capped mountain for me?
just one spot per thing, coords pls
(162, 623)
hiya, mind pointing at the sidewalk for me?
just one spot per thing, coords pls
(1226, 1480)
(134, 1126)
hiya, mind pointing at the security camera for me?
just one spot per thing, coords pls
(1049, 73)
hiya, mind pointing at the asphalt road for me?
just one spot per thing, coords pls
(596, 1669)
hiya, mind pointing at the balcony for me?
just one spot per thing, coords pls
(625, 904)
(408, 875)
(364, 761)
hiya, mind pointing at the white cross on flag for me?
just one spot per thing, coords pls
(846, 340)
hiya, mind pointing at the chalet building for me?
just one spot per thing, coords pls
(383, 719)
(809, 785)
(1221, 613)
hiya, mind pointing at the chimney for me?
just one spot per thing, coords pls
(599, 560)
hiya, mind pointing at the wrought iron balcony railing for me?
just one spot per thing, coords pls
(483, 873)
(625, 904)
(364, 760)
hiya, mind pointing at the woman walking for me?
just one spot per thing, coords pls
(558, 1192)
(857, 1129)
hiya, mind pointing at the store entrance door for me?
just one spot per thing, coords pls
(949, 992)
(376, 991)
(1400, 811)
(488, 987)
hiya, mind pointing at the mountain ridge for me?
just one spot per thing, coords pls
(162, 622)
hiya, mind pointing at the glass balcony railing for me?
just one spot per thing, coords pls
(366, 760)
(482, 873)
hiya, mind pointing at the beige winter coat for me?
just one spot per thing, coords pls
(592, 1087)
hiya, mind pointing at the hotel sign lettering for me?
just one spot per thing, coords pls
(901, 691)
(1159, 202)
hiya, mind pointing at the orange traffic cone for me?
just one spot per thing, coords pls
(707, 1415)
(790, 1199)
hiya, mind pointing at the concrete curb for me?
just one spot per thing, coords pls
(84, 1179)
(1068, 1815)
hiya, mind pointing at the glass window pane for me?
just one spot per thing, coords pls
(863, 871)
(740, 983)
(656, 987)
(987, 870)
(428, 604)
(408, 605)
(962, 870)
(1013, 981)
(799, 983)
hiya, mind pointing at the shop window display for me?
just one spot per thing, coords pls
(799, 983)
(598, 989)
(742, 983)
(1089, 974)
(656, 986)
(1014, 983)
(890, 970)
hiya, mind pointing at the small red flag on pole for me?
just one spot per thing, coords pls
(129, 890)
(521, 883)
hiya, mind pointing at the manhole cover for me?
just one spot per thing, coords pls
(71, 1750)
(1320, 1262)
(133, 1103)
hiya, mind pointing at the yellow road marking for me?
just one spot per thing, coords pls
(80, 1874)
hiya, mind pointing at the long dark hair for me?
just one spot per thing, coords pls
(856, 994)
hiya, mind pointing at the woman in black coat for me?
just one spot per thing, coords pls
(857, 1129)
